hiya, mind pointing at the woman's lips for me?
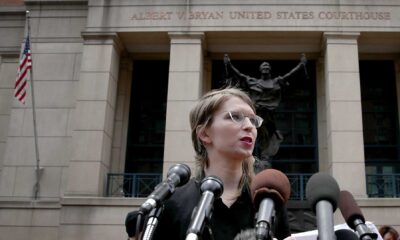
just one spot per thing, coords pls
(248, 140)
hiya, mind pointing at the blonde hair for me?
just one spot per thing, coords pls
(201, 117)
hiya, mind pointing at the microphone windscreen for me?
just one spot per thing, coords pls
(212, 184)
(322, 186)
(349, 208)
(345, 234)
(182, 171)
(270, 183)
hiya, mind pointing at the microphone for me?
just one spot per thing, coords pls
(345, 234)
(269, 188)
(322, 192)
(353, 216)
(211, 188)
(177, 175)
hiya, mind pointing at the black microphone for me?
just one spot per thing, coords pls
(211, 188)
(269, 188)
(177, 175)
(345, 234)
(322, 192)
(354, 217)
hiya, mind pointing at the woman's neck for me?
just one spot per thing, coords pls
(231, 173)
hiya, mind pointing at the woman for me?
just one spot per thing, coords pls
(388, 233)
(224, 130)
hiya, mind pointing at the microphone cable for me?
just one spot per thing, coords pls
(138, 221)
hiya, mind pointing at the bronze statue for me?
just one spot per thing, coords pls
(266, 95)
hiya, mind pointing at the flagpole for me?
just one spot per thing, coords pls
(38, 169)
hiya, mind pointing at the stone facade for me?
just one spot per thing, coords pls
(83, 53)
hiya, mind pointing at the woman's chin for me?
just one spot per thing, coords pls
(246, 154)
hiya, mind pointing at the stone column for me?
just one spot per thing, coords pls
(343, 113)
(321, 112)
(185, 86)
(397, 74)
(8, 66)
(122, 115)
(94, 116)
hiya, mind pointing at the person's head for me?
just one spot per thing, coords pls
(221, 121)
(388, 233)
(265, 68)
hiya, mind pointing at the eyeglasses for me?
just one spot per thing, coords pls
(238, 117)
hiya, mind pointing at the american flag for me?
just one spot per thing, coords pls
(23, 72)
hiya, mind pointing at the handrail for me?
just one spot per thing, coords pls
(383, 185)
(142, 184)
(131, 184)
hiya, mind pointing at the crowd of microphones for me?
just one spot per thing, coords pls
(270, 189)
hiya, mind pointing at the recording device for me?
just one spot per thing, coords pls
(353, 216)
(177, 175)
(211, 188)
(270, 188)
(322, 192)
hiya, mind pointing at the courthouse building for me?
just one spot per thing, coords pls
(114, 81)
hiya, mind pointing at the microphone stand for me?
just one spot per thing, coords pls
(152, 222)
(211, 188)
(196, 222)
(325, 221)
(264, 219)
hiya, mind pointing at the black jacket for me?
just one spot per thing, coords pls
(225, 222)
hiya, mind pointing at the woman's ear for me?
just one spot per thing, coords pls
(202, 134)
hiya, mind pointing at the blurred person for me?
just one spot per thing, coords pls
(388, 233)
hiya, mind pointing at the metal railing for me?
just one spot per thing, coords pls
(383, 185)
(131, 184)
(142, 184)
(298, 184)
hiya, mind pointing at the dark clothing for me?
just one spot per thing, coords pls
(225, 223)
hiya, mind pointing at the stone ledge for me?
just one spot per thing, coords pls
(361, 202)
(29, 203)
(101, 201)
(24, 203)
(378, 202)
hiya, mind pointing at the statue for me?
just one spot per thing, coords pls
(266, 95)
